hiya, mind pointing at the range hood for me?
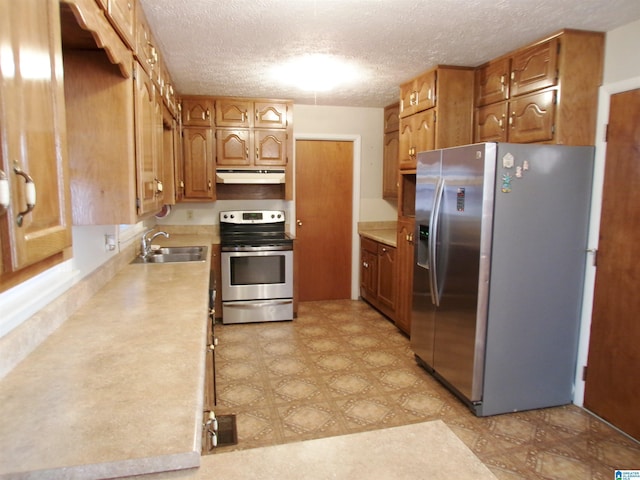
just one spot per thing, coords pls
(237, 176)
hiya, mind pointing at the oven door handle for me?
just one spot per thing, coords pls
(252, 304)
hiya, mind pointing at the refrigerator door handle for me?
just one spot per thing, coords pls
(433, 238)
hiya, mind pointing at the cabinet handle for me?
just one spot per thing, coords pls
(247, 152)
(209, 184)
(512, 120)
(299, 223)
(159, 186)
(30, 194)
(182, 184)
(5, 198)
(429, 94)
(365, 264)
(257, 152)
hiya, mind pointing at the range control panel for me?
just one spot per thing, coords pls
(252, 216)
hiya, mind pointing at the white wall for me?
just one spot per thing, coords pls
(621, 73)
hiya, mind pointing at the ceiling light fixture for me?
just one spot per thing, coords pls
(317, 73)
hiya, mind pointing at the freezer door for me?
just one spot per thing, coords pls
(422, 315)
(462, 250)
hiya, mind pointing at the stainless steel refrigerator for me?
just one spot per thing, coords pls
(500, 255)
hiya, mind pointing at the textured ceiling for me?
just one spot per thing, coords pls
(227, 47)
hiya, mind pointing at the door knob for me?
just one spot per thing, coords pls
(299, 222)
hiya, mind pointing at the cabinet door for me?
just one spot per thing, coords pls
(406, 156)
(145, 51)
(197, 112)
(122, 15)
(387, 279)
(424, 132)
(234, 112)
(390, 165)
(271, 147)
(33, 134)
(492, 82)
(417, 134)
(271, 115)
(391, 118)
(491, 123)
(534, 68)
(146, 125)
(425, 87)
(404, 273)
(368, 269)
(532, 117)
(198, 164)
(408, 99)
(233, 148)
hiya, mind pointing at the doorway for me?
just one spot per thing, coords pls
(324, 218)
(612, 389)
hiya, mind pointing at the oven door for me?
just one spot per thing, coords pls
(258, 275)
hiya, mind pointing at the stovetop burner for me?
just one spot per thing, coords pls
(254, 230)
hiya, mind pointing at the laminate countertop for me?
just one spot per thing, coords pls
(117, 389)
(383, 232)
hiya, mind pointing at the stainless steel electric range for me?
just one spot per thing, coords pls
(257, 267)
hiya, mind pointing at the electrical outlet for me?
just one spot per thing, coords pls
(189, 214)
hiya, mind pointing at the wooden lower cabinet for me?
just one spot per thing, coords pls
(378, 275)
(404, 273)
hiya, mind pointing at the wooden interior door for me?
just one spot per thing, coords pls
(612, 388)
(324, 186)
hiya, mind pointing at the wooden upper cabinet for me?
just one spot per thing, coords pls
(552, 92)
(123, 17)
(198, 164)
(271, 115)
(33, 154)
(234, 112)
(418, 94)
(234, 147)
(392, 118)
(146, 50)
(492, 123)
(417, 134)
(271, 147)
(532, 117)
(535, 68)
(148, 124)
(492, 82)
(198, 111)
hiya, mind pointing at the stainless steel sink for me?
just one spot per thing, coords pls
(174, 255)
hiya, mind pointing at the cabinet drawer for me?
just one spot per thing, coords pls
(369, 245)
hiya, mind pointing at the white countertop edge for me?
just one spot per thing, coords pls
(121, 468)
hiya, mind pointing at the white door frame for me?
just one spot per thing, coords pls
(355, 214)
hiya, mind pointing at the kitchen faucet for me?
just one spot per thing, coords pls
(146, 243)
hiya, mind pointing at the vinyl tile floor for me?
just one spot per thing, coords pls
(341, 367)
